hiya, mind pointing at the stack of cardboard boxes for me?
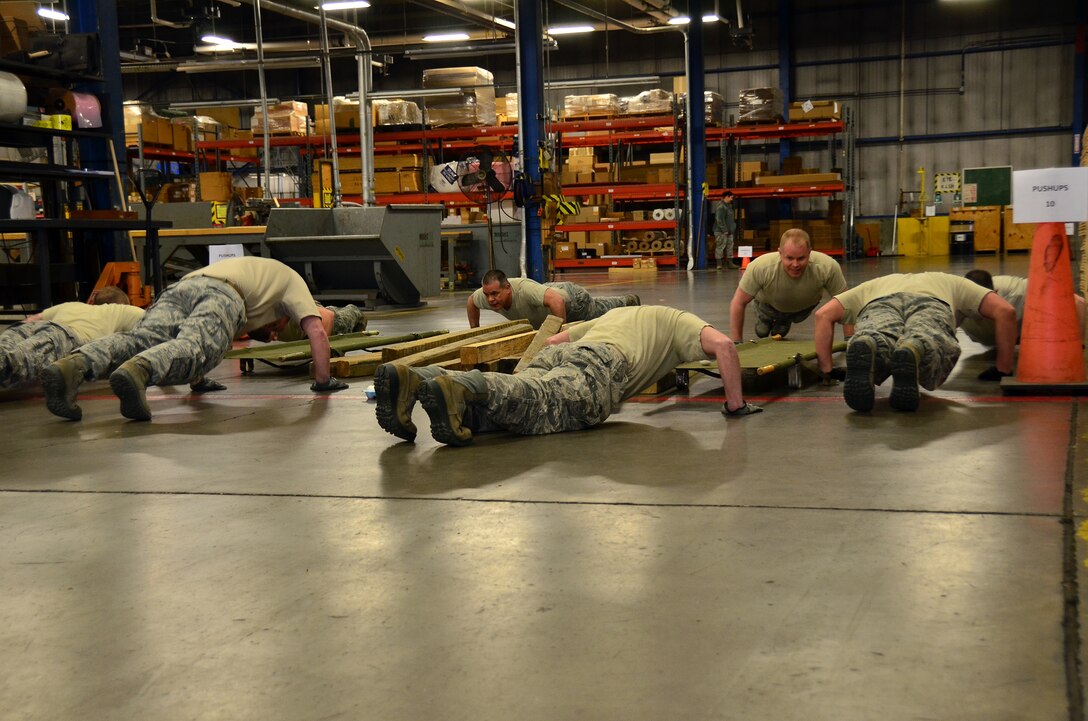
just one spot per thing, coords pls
(288, 118)
(473, 105)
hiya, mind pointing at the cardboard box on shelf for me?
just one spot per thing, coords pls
(396, 162)
(182, 137)
(664, 158)
(580, 163)
(230, 117)
(751, 169)
(215, 187)
(578, 237)
(600, 236)
(386, 181)
(815, 110)
(566, 251)
(809, 178)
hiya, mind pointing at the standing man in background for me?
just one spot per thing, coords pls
(725, 232)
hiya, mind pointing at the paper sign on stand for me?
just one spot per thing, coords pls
(744, 251)
(1050, 195)
(217, 253)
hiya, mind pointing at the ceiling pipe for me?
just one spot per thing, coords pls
(463, 12)
(156, 20)
(597, 15)
(366, 127)
(660, 10)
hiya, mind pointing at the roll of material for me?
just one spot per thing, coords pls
(643, 245)
(658, 214)
(632, 246)
(12, 98)
(668, 245)
(657, 245)
(651, 235)
(85, 109)
(670, 213)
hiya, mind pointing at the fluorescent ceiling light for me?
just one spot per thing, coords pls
(594, 82)
(219, 42)
(345, 5)
(570, 29)
(445, 37)
(426, 93)
(684, 19)
(505, 23)
(52, 14)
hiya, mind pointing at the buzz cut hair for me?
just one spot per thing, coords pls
(795, 236)
(495, 275)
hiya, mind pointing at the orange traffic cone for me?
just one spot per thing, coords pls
(1050, 335)
(744, 262)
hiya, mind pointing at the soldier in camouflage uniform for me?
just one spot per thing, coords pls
(186, 333)
(905, 327)
(44, 337)
(576, 382)
(336, 320)
(517, 298)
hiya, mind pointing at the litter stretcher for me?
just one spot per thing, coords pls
(762, 357)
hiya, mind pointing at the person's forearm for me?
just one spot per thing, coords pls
(1005, 330)
(736, 321)
(473, 316)
(823, 336)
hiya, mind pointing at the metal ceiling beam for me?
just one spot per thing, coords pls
(597, 15)
(459, 10)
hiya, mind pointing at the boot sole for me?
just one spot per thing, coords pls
(857, 389)
(133, 401)
(56, 390)
(905, 394)
(387, 388)
(434, 402)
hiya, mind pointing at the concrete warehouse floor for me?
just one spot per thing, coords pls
(262, 553)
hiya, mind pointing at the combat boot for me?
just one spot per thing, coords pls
(630, 300)
(905, 360)
(129, 383)
(396, 386)
(857, 389)
(446, 402)
(60, 381)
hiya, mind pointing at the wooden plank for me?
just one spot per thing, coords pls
(489, 350)
(355, 366)
(548, 328)
(400, 350)
(452, 351)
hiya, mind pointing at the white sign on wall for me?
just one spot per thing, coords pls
(217, 253)
(1050, 195)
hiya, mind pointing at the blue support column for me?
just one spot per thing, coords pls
(530, 53)
(1080, 82)
(785, 82)
(696, 136)
(100, 16)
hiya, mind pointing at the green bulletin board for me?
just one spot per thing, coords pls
(993, 186)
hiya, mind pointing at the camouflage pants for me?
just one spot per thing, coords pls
(723, 247)
(771, 321)
(28, 347)
(183, 336)
(582, 306)
(894, 318)
(348, 319)
(568, 387)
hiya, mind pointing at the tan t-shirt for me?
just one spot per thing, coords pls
(270, 289)
(526, 301)
(654, 339)
(982, 330)
(961, 295)
(767, 281)
(91, 322)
